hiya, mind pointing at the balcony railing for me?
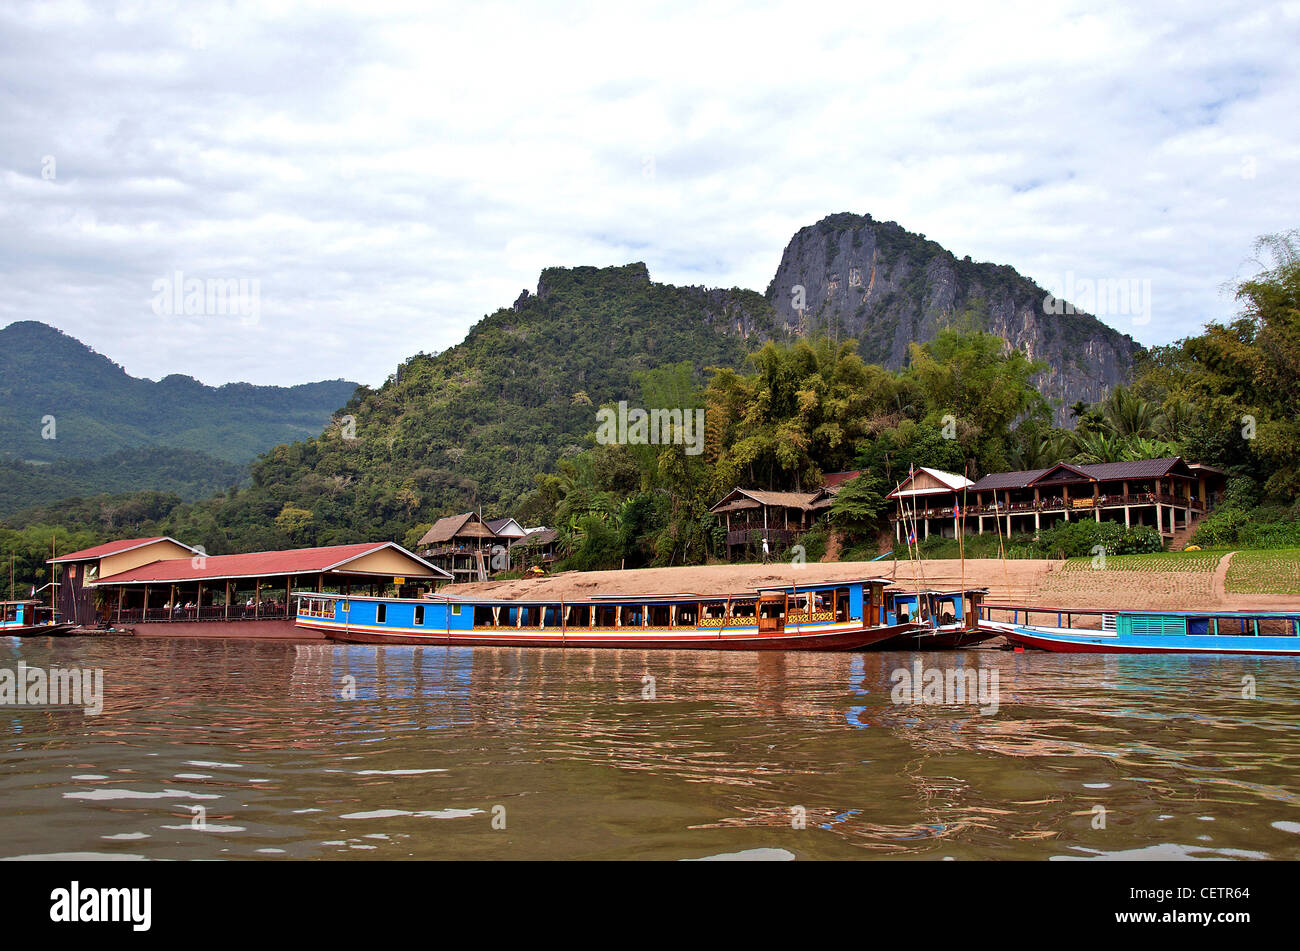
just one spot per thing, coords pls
(1058, 504)
(237, 612)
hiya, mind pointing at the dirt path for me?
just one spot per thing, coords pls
(1219, 585)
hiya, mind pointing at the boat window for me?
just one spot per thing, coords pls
(1276, 627)
(482, 616)
(772, 608)
(632, 615)
(455, 609)
(381, 613)
(947, 610)
(510, 617)
(1200, 625)
(530, 616)
(742, 609)
(1233, 626)
(688, 615)
(605, 615)
(579, 616)
(419, 614)
(660, 615)
(552, 615)
(822, 601)
(841, 604)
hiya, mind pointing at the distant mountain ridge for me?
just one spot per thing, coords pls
(851, 276)
(99, 409)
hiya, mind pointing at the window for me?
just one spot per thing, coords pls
(483, 616)
(419, 614)
(455, 609)
(381, 613)
(660, 615)
(1276, 627)
(605, 615)
(841, 604)
(742, 610)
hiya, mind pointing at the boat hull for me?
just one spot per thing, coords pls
(1062, 643)
(745, 640)
(37, 630)
(947, 638)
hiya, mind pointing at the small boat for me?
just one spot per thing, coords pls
(832, 616)
(1161, 632)
(947, 620)
(30, 619)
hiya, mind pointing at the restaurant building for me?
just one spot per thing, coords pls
(1167, 494)
(161, 587)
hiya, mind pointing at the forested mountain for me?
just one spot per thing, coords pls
(188, 474)
(98, 409)
(479, 423)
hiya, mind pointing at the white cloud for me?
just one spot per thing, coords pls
(389, 178)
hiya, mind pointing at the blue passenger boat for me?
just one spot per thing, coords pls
(827, 616)
(1160, 632)
(946, 620)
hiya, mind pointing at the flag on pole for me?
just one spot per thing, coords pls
(911, 536)
(956, 510)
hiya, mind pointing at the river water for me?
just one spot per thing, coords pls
(273, 750)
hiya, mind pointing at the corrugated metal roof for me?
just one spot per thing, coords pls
(263, 564)
(1102, 471)
(112, 548)
(1007, 480)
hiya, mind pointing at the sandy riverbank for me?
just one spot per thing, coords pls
(1039, 583)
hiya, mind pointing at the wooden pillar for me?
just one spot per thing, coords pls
(257, 598)
(226, 613)
(1126, 516)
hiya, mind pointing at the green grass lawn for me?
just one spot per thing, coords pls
(1270, 571)
(1158, 561)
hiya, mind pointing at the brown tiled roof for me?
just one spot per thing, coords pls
(535, 539)
(1100, 472)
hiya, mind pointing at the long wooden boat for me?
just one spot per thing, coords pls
(831, 616)
(946, 620)
(30, 618)
(1161, 632)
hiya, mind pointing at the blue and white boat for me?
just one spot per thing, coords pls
(1159, 632)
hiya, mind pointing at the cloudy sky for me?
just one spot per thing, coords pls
(388, 173)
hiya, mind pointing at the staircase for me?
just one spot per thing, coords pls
(1179, 539)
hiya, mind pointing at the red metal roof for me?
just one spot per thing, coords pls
(262, 564)
(112, 548)
(833, 479)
